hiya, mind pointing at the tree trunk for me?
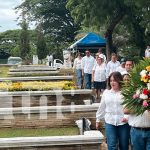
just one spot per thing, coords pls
(109, 32)
(139, 37)
(109, 43)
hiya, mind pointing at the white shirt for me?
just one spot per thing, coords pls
(99, 72)
(110, 108)
(51, 58)
(87, 64)
(142, 121)
(111, 67)
(77, 63)
(147, 52)
(120, 69)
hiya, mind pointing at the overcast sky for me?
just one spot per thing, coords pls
(8, 15)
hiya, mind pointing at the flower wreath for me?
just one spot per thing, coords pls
(136, 92)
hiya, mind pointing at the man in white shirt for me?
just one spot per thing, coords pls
(129, 65)
(50, 60)
(147, 52)
(140, 130)
(112, 65)
(87, 66)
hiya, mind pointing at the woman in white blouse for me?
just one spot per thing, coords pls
(78, 70)
(99, 76)
(111, 110)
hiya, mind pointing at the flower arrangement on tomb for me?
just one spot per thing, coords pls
(36, 86)
(137, 91)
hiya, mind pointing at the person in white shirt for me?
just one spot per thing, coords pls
(77, 68)
(140, 130)
(99, 76)
(111, 109)
(112, 65)
(50, 60)
(121, 68)
(129, 65)
(100, 51)
(147, 52)
(87, 66)
(96, 57)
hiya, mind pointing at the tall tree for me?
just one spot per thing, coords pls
(99, 13)
(109, 13)
(41, 44)
(136, 17)
(56, 19)
(24, 40)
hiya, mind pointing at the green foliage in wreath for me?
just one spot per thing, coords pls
(133, 89)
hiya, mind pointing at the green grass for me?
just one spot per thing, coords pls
(8, 132)
(4, 71)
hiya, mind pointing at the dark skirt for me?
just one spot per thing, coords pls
(100, 85)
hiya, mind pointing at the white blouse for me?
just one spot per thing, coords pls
(110, 108)
(99, 72)
(77, 63)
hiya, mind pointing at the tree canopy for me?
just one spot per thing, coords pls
(8, 40)
(132, 14)
(53, 16)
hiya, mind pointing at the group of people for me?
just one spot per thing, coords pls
(95, 70)
(121, 126)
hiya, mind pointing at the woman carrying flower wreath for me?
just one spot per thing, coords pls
(117, 131)
(137, 105)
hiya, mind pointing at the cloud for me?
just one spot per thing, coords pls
(8, 17)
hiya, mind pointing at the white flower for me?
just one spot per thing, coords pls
(148, 86)
(138, 92)
(143, 72)
(143, 96)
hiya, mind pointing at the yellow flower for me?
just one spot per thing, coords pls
(36, 85)
(148, 68)
(144, 78)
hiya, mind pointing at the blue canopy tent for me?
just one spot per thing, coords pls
(90, 41)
